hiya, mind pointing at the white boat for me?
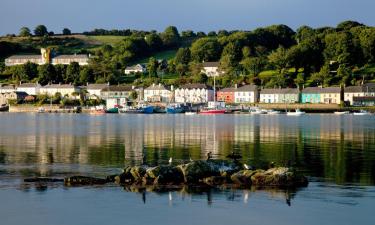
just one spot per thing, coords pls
(190, 113)
(257, 111)
(342, 113)
(273, 112)
(296, 113)
(41, 110)
(362, 113)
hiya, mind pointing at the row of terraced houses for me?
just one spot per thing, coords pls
(198, 93)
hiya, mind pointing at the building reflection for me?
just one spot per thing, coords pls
(333, 143)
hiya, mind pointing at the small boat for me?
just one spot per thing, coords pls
(147, 109)
(273, 112)
(41, 110)
(362, 113)
(174, 108)
(212, 111)
(298, 112)
(190, 113)
(4, 108)
(257, 111)
(342, 113)
(112, 110)
(158, 109)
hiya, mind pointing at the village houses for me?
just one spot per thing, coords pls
(211, 69)
(6, 88)
(279, 95)
(29, 88)
(194, 93)
(12, 96)
(351, 92)
(94, 91)
(325, 95)
(158, 93)
(69, 90)
(139, 68)
(246, 94)
(118, 95)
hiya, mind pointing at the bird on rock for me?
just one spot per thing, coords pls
(209, 156)
(170, 161)
(234, 156)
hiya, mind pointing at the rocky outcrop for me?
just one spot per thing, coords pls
(279, 177)
(201, 172)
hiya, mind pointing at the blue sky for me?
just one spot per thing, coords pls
(198, 15)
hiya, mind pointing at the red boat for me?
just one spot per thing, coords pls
(212, 111)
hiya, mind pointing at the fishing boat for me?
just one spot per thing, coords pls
(214, 107)
(41, 110)
(174, 108)
(273, 112)
(147, 109)
(298, 112)
(362, 113)
(257, 111)
(112, 110)
(342, 113)
(4, 108)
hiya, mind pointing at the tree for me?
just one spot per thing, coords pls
(344, 73)
(181, 69)
(279, 59)
(40, 30)
(72, 73)
(152, 67)
(66, 31)
(367, 41)
(31, 70)
(154, 41)
(25, 32)
(133, 95)
(46, 73)
(323, 77)
(253, 65)
(86, 75)
(349, 24)
(170, 37)
(205, 49)
(183, 56)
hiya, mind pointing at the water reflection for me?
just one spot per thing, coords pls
(338, 148)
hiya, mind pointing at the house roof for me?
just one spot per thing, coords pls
(25, 57)
(96, 86)
(119, 88)
(322, 90)
(195, 86)
(29, 85)
(157, 87)
(369, 87)
(7, 86)
(135, 67)
(279, 91)
(78, 56)
(227, 90)
(59, 86)
(211, 64)
(245, 88)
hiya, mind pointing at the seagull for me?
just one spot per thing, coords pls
(191, 160)
(234, 156)
(246, 166)
(209, 155)
(170, 160)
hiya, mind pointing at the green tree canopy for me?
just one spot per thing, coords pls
(40, 30)
(25, 32)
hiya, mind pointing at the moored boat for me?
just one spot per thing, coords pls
(273, 112)
(174, 108)
(342, 113)
(4, 108)
(298, 112)
(190, 113)
(212, 111)
(362, 113)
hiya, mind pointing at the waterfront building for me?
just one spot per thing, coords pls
(194, 93)
(66, 90)
(211, 69)
(226, 95)
(29, 88)
(139, 68)
(117, 95)
(6, 88)
(158, 93)
(366, 90)
(94, 91)
(279, 95)
(45, 57)
(246, 94)
(328, 95)
(364, 101)
(15, 96)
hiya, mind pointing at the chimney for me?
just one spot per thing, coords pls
(235, 86)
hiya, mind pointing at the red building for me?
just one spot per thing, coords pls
(226, 95)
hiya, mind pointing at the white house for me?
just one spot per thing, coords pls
(246, 94)
(211, 69)
(365, 90)
(5, 88)
(63, 89)
(139, 68)
(158, 93)
(194, 93)
(279, 95)
(94, 91)
(29, 88)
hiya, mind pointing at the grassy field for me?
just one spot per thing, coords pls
(160, 55)
(108, 40)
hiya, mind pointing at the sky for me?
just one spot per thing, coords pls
(197, 15)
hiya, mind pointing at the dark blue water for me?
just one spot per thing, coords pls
(336, 152)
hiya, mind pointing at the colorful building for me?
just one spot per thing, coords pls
(194, 93)
(366, 90)
(279, 95)
(246, 94)
(226, 95)
(328, 95)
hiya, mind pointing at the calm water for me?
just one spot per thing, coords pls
(336, 152)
